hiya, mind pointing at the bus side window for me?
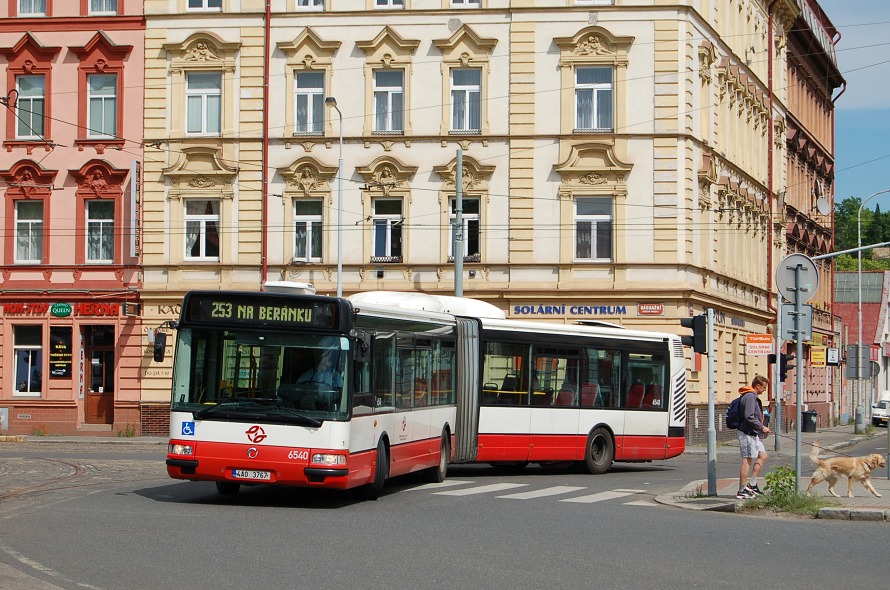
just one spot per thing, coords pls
(383, 353)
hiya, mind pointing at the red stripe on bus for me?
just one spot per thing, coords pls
(537, 447)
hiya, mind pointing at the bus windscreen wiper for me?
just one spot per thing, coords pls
(232, 403)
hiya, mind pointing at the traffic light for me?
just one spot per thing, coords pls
(771, 359)
(785, 366)
(699, 338)
(160, 346)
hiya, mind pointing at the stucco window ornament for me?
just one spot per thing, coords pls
(201, 52)
(201, 182)
(306, 181)
(592, 45)
(592, 179)
(386, 180)
(96, 182)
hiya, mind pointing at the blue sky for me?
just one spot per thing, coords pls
(862, 125)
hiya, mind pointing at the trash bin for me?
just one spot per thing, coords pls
(808, 421)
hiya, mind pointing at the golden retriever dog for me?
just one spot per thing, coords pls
(854, 468)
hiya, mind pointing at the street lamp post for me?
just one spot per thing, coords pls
(330, 101)
(860, 418)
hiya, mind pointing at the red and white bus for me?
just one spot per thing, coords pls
(421, 381)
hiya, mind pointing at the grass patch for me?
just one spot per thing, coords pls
(781, 495)
(129, 431)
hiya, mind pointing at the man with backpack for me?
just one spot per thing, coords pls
(751, 431)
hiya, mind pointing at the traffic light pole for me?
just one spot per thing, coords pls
(798, 312)
(712, 429)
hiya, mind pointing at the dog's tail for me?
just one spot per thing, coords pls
(814, 454)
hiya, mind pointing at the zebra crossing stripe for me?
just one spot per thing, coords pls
(438, 486)
(611, 495)
(554, 491)
(495, 487)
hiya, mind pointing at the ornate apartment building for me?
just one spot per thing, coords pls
(71, 90)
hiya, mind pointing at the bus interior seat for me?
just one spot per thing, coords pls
(565, 397)
(635, 396)
(511, 383)
(590, 396)
(543, 398)
(652, 399)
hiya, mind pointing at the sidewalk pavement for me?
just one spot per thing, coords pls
(832, 441)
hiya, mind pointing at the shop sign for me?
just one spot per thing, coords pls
(60, 310)
(572, 310)
(650, 309)
(60, 356)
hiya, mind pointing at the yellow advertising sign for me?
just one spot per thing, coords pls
(818, 356)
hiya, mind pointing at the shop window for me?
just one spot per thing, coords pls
(28, 349)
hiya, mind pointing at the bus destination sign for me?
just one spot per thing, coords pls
(260, 310)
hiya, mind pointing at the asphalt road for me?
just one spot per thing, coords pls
(105, 517)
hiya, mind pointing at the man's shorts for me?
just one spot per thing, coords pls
(750, 445)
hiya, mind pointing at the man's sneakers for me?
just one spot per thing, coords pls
(745, 493)
(754, 489)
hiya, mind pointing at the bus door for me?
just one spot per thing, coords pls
(644, 398)
(554, 398)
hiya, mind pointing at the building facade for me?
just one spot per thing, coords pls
(70, 337)
(621, 161)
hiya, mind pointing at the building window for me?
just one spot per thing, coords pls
(32, 7)
(387, 220)
(595, 2)
(28, 348)
(310, 4)
(202, 230)
(309, 102)
(308, 223)
(29, 232)
(388, 100)
(470, 218)
(593, 99)
(203, 103)
(466, 103)
(593, 228)
(103, 7)
(205, 5)
(390, 3)
(465, 3)
(102, 113)
(100, 231)
(30, 106)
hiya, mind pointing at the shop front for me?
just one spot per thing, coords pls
(70, 367)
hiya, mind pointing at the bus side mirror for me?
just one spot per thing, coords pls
(362, 351)
(160, 346)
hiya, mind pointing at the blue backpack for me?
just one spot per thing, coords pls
(732, 414)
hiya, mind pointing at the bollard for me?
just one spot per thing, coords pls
(860, 421)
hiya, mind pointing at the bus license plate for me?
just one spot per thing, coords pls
(251, 474)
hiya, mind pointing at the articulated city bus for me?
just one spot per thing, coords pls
(313, 391)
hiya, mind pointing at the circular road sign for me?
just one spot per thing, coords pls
(786, 273)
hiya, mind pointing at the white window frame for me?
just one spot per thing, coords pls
(462, 96)
(599, 222)
(31, 8)
(18, 349)
(306, 221)
(594, 2)
(387, 222)
(314, 123)
(205, 95)
(108, 108)
(466, 3)
(597, 92)
(468, 221)
(109, 7)
(389, 93)
(389, 4)
(203, 221)
(102, 228)
(32, 230)
(205, 5)
(309, 4)
(26, 115)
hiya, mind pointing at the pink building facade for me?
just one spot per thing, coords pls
(71, 342)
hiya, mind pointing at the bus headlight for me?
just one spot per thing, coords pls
(328, 459)
(180, 449)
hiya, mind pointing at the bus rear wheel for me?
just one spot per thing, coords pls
(374, 490)
(228, 488)
(438, 473)
(599, 452)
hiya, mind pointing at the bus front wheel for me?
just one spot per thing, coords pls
(374, 489)
(599, 452)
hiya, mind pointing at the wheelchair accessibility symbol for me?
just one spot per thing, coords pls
(188, 429)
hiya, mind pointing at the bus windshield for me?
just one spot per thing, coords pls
(253, 375)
